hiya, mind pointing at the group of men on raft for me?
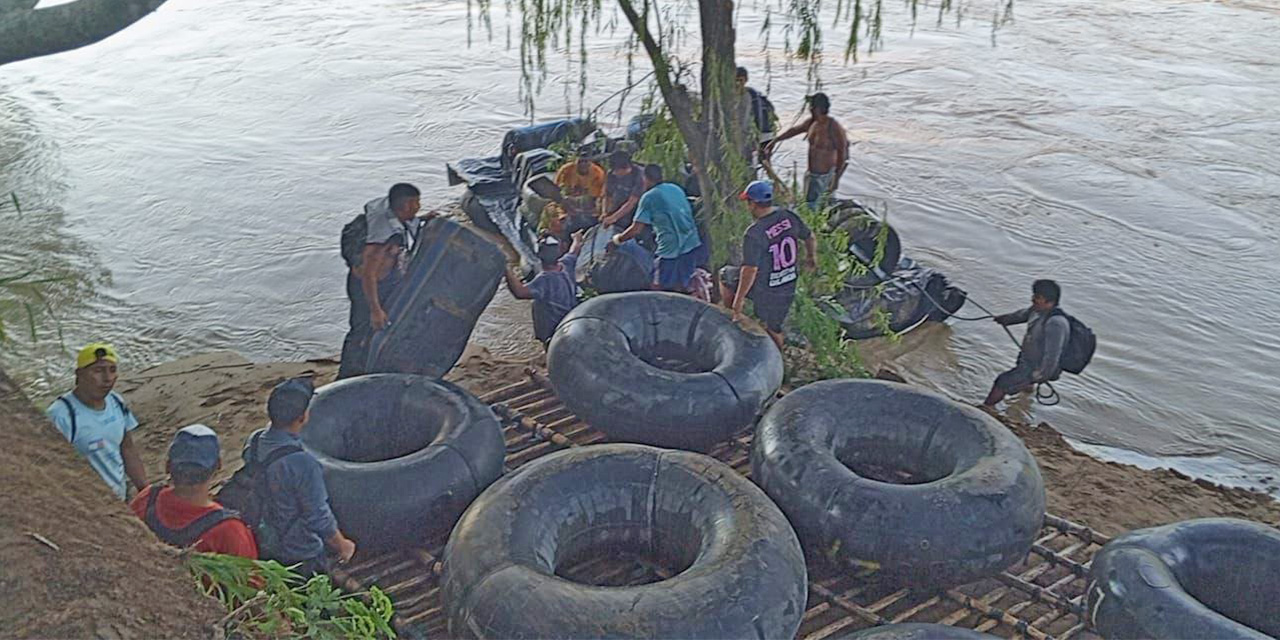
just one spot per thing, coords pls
(634, 202)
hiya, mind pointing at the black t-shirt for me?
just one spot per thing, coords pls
(618, 189)
(772, 245)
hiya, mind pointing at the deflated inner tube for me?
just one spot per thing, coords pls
(970, 504)
(1206, 578)
(662, 369)
(916, 631)
(736, 568)
(402, 455)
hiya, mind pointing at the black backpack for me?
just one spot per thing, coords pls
(1081, 343)
(189, 534)
(248, 494)
(354, 235)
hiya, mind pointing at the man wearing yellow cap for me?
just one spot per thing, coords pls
(95, 420)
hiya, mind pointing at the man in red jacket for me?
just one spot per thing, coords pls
(186, 513)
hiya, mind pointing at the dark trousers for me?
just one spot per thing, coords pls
(355, 347)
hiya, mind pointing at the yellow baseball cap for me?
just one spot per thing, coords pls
(93, 352)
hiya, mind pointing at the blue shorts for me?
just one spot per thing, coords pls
(674, 273)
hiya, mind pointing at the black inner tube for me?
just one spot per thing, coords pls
(386, 428)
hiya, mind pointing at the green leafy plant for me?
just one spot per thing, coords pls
(265, 599)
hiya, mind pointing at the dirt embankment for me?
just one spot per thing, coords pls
(74, 561)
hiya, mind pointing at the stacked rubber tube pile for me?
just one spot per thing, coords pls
(884, 482)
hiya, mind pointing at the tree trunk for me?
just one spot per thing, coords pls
(712, 128)
(27, 33)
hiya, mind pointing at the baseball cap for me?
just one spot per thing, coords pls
(195, 445)
(94, 352)
(289, 400)
(549, 249)
(759, 192)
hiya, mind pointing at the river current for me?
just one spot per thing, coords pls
(188, 179)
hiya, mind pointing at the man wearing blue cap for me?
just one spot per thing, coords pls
(770, 257)
(297, 506)
(186, 513)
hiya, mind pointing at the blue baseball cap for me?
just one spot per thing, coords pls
(195, 445)
(759, 192)
(289, 400)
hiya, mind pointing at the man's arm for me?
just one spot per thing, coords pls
(517, 288)
(811, 253)
(1056, 331)
(1017, 317)
(575, 247)
(133, 466)
(314, 511)
(793, 131)
(622, 211)
(746, 278)
(632, 231)
(371, 263)
(842, 155)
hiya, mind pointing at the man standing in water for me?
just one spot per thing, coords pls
(376, 269)
(95, 420)
(828, 150)
(1042, 346)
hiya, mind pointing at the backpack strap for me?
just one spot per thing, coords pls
(71, 411)
(190, 534)
(120, 403)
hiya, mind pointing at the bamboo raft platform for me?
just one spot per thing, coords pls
(1041, 597)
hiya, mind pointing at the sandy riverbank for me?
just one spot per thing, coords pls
(228, 393)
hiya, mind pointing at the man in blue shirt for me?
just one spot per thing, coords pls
(95, 420)
(298, 505)
(665, 207)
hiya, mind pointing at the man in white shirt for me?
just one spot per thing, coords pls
(96, 421)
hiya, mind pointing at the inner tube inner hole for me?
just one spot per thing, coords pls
(378, 430)
(892, 463)
(674, 357)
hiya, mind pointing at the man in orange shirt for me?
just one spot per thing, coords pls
(186, 513)
(582, 184)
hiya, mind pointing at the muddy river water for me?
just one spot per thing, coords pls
(188, 178)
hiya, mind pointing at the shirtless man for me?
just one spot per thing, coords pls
(828, 149)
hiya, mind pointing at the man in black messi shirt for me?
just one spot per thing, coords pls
(770, 261)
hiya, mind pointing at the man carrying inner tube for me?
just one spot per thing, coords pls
(770, 256)
(665, 207)
(1038, 360)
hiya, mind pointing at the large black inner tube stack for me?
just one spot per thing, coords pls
(662, 369)
(737, 570)
(970, 506)
(402, 455)
(1206, 578)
